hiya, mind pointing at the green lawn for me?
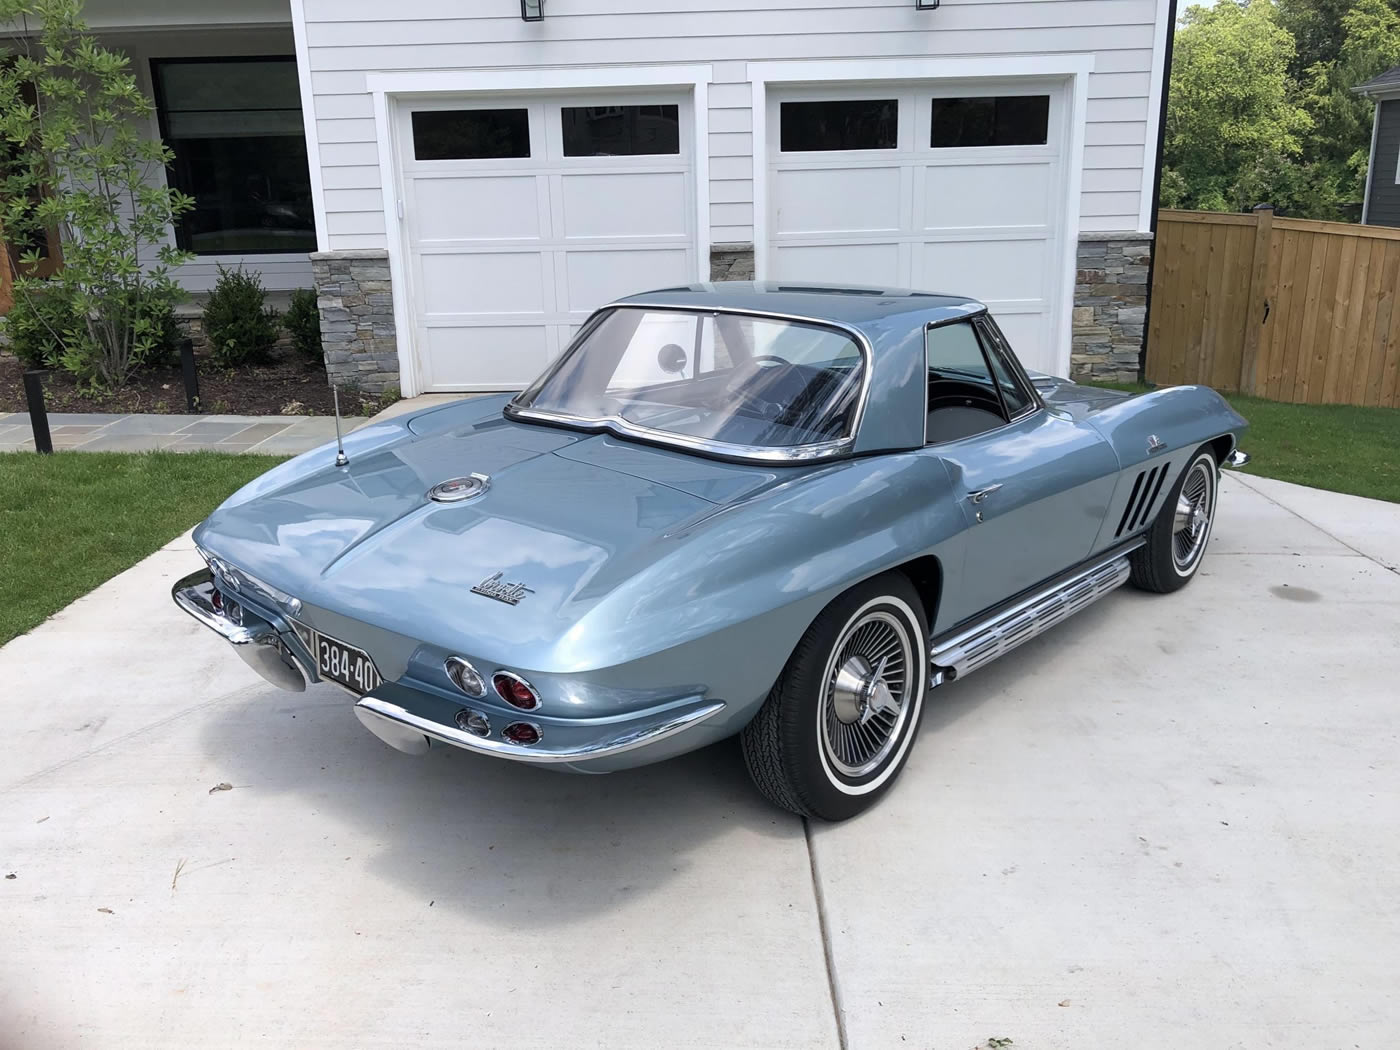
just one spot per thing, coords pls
(1338, 447)
(72, 520)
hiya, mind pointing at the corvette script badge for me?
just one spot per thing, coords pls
(495, 587)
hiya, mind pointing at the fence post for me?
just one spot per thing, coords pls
(1258, 306)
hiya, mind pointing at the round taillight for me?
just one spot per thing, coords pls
(464, 676)
(522, 733)
(515, 691)
(473, 722)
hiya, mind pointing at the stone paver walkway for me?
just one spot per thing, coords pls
(92, 432)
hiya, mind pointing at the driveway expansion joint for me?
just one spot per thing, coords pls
(833, 986)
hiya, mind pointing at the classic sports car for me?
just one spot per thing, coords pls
(785, 513)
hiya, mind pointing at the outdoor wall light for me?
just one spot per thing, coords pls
(533, 10)
(925, 5)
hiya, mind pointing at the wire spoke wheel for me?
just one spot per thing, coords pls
(1195, 506)
(865, 698)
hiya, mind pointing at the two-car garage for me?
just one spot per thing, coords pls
(520, 212)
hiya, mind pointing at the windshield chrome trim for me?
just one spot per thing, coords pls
(809, 453)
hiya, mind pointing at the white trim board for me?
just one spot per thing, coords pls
(1073, 68)
(1154, 115)
(308, 118)
(387, 89)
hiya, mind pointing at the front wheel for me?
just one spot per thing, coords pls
(1177, 540)
(838, 725)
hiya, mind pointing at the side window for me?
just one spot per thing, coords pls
(963, 398)
(1013, 390)
(954, 352)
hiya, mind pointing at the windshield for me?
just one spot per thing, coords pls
(731, 379)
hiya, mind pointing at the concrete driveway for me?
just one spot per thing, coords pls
(1172, 822)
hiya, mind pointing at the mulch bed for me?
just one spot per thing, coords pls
(286, 386)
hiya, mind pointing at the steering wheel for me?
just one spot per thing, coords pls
(758, 405)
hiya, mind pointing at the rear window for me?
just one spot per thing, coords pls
(732, 381)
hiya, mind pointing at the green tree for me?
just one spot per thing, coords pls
(1234, 125)
(1338, 144)
(73, 121)
(1316, 29)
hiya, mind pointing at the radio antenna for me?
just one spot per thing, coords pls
(341, 459)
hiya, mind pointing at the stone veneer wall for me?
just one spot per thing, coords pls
(731, 262)
(1110, 306)
(357, 319)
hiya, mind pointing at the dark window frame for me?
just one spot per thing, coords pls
(639, 106)
(514, 107)
(179, 230)
(782, 124)
(934, 100)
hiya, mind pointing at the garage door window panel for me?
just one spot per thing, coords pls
(621, 131)
(837, 125)
(990, 120)
(471, 134)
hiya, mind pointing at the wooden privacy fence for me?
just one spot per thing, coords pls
(1289, 309)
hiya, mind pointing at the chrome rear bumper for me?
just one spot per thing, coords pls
(257, 641)
(410, 733)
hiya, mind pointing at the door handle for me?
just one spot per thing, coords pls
(981, 495)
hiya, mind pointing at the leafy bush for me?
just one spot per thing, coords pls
(240, 328)
(80, 162)
(303, 321)
(39, 324)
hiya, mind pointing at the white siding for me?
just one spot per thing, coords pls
(347, 39)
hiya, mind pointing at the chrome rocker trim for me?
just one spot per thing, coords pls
(259, 645)
(981, 643)
(1236, 459)
(402, 729)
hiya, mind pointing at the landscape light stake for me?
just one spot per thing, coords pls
(38, 417)
(191, 376)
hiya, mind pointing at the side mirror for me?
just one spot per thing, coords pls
(672, 359)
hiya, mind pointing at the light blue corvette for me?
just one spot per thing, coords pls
(780, 512)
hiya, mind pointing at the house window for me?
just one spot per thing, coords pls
(470, 134)
(235, 126)
(809, 127)
(621, 131)
(991, 120)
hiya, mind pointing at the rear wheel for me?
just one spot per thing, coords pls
(1177, 540)
(838, 725)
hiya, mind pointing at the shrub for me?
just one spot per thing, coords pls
(39, 324)
(79, 162)
(240, 328)
(303, 321)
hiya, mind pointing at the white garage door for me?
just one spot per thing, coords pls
(523, 214)
(945, 188)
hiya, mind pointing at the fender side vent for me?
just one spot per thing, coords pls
(1131, 506)
(1145, 515)
(1146, 488)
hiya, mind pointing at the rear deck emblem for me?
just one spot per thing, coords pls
(455, 490)
(496, 587)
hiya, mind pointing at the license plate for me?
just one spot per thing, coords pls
(345, 664)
